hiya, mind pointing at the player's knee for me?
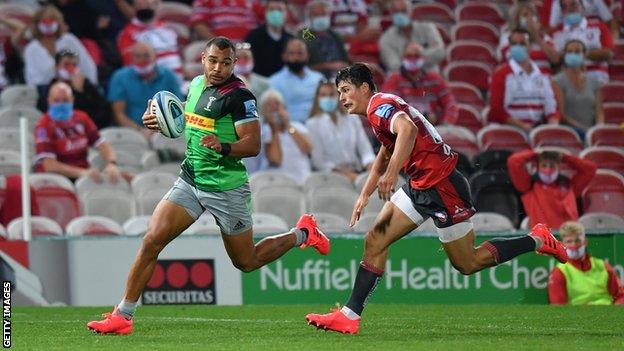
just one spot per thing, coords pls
(152, 245)
(372, 244)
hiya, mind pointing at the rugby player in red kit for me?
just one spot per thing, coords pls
(435, 189)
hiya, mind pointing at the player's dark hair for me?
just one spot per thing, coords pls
(222, 43)
(549, 156)
(64, 53)
(357, 74)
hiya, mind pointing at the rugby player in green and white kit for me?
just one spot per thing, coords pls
(222, 127)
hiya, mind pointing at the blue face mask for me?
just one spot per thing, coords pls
(400, 19)
(61, 111)
(321, 24)
(572, 19)
(518, 53)
(328, 103)
(573, 60)
(275, 18)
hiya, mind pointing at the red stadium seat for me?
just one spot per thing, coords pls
(469, 117)
(605, 157)
(192, 52)
(502, 137)
(40, 226)
(471, 50)
(605, 193)
(480, 11)
(475, 73)
(93, 226)
(618, 50)
(22, 12)
(459, 139)
(613, 112)
(616, 70)
(182, 30)
(170, 11)
(556, 135)
(446, 38)
(605, 135)
(433, 12)
(56, 197)
(475, 30)
(468, 94)
(613, 92)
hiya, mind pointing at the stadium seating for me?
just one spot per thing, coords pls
(150, 160)
(9, 162)
(556, 135)
(605, 157)
(601, 221)
(22, 12)
(616, 70)
(491, 222)
(3, 234)
(19, 95)
(467, 94)
(56, 197)
(613, 112)
(502, 137)
(192, 52)
(267, 179)
(605, 193)
(471, 50)
(322, 180)
(331, 223)
(460, 139)
(126, 161)
(475, 73)
(268, 224)
(366, 222)
(161, 142)
(113, 200)
(469, 117)
(149, 188)
(170, 11)
(125, 139)
(492, 160)
(605, 135)
(136, 226)
(286, 203)
(612, 92)
(41, 226)
(476, 30)
(492, 191)
(169, 167)
(480, 11)
(93, 226)
(338, 201)
(433, 12)
(205, 224)
(10, 140)
(446, 38)
(10, 116)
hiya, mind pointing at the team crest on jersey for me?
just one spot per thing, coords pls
(210, 101)
(384, 110)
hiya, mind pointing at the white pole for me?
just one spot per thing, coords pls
(25, 183)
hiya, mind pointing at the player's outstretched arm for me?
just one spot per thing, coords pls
(406, 132)
(377, 169)
(247, 145)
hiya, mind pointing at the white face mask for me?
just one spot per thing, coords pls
(576, 253)
(49, 28)
(547, 178)
(243, 69)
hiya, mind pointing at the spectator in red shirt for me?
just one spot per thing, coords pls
(423, 89)
(520, 95)
(145, 28)
(63, 136)
(584, 280)
(229, 18)
(548, 196)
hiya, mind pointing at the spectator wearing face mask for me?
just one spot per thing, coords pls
(524, 16)
(327, 50)
(131, 87)
(594, 9)
(87, 97)
(146, 28)
(341, 144)
(422, 89)
(63, 136)
(50, 36)
(578, 94)
(404, 30)
(583, 280)
(520, 95)
(295, 81)
(243, 68)
(548, 196)
(593, 33)
(269, 40)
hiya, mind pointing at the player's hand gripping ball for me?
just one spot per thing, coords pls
(169, 113)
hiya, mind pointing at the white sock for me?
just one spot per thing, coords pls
(126, 309)
(349, 313)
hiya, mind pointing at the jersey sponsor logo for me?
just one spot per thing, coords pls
(250, 109)
(199, 122)
(210, 101)
(384, 110)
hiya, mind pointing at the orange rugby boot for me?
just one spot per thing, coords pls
(111, 324)
(550, 245)
(316, 238)
(334, 321)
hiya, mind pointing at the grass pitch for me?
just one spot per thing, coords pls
(385, 327)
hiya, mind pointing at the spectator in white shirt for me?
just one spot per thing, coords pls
(290, 146)
(50, 32)
(598, 9)
(341, 145)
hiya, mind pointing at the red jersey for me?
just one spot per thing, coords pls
(431, 159)
(67, 141)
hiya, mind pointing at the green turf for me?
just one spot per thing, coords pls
(386, 327)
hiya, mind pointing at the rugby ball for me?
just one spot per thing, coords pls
(169, 113)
